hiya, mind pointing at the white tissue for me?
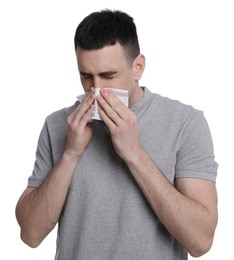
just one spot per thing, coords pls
(120, 93)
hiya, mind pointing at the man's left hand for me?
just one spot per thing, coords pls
(122, 123)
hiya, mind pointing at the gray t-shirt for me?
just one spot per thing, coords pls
(106, 216)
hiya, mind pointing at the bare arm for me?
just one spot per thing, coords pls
(38, 209)
(188, 210)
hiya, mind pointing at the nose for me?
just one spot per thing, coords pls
(97, 82)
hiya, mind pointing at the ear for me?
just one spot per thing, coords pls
(138, 66)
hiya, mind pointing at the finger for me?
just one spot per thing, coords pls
(108, 121)
(115, 103)
(107, 112)
(83, 107)
(85, 119)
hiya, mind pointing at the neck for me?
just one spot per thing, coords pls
(135, 96)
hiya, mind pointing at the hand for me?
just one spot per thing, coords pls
(122, 124)
(79, 128)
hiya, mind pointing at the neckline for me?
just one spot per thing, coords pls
(142, 102)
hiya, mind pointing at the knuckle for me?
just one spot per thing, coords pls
(110, 114)
(131, 121)
(69, 119)
(115, 108)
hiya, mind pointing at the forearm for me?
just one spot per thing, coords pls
(39, 211)
(186, 219)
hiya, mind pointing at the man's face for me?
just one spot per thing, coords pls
(107, 67)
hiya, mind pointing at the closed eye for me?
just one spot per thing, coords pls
(108, 74)
(105, 74)
(85, 75)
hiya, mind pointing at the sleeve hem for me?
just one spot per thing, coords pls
(32, 182)
(197, 175)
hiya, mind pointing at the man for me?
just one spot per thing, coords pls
(140, 184)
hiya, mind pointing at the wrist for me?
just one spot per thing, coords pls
(70, 157)
(136, 157)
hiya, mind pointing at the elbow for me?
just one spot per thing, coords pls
(30, 243)
(33, 237)
(203, 241)
(30, 239)
(199, 250)
(29, 235)
(201, 246)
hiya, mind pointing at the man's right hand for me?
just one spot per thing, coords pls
(79, 128)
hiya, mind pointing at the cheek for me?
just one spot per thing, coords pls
(86, 84)
(86, 88)
(129, 83)
(126, 81)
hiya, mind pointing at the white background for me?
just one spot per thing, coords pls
(189, 49)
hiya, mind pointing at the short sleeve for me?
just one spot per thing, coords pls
(195, 157)
(44, 162)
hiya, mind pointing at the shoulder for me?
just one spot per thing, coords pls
(172, 109)
(170, 104)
